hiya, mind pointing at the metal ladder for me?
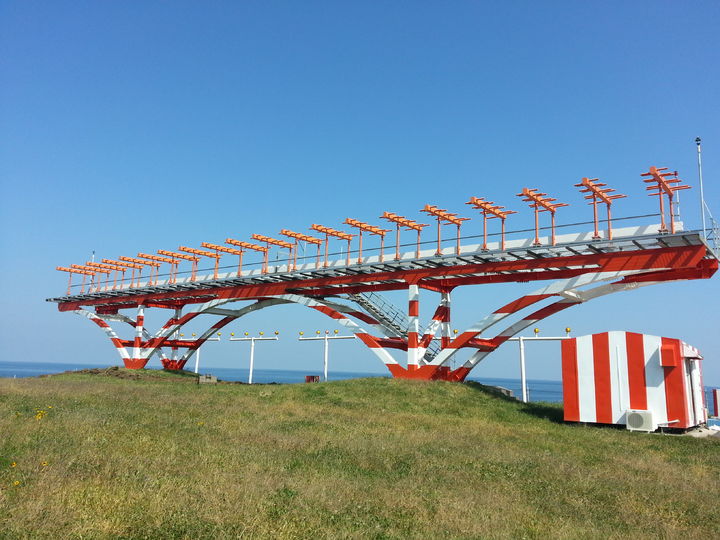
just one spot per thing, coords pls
(390, 316)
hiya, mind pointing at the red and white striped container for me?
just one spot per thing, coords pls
(608, 374)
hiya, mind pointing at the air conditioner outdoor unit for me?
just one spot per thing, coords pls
(640, 421)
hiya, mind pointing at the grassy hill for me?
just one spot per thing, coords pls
(152, 455)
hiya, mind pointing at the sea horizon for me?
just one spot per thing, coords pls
(539, 390)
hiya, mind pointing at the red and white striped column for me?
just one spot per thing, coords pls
(137, 361)
(445, 320)
(413, 356)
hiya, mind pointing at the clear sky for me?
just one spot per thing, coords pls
(134, 126)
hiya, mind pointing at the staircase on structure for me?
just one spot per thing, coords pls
(390, 317)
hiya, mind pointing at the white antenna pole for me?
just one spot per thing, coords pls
(702, 189)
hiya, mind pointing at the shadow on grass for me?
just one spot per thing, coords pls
(543, 411)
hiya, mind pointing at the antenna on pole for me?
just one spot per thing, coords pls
(93, 253)
(698, 142)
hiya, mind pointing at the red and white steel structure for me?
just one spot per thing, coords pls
(573, 268)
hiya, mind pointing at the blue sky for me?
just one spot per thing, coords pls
(136, 126)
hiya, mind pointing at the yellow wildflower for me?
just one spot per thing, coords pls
(44, 464)
(13, 464)
(16, 483)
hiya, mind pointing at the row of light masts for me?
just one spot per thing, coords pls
(663, 184)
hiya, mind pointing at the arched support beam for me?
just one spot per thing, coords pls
(116, 341)
(577, 298)
(372, 342)
(229, 316)
(130, 321)
(553, 289)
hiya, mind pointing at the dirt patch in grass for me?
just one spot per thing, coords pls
(131, 374)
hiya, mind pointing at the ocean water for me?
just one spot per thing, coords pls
(539, 390)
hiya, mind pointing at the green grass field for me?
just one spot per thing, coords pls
(154, 455)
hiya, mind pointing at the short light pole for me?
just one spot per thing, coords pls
(326, 338)
(521, 340)
(197, 351)
(252, 341)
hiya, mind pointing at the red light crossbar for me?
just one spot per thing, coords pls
(111, 267)
(540, 202)
(154, 268)
(406, 223)
(275, 242)
(372, 229)
(305, 238)
(203, 253)
(123, 263)
(95, 278)
(491, 211)
(72, 271)
(449, 218)
(173, 262)
(247, 245)
(666, 183)
(133, 266)
(223, 249)
(194, 260)
(328, 232)
(599, 193)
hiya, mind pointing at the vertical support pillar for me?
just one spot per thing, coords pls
(502, 233)
(397, 242)
(413, 326)
(178, 314)
(484, 246)
(445, 321)
(439, 240)
(596, 235)
(327, 241)
(240, 258)
(663, 227)
(137, 362)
